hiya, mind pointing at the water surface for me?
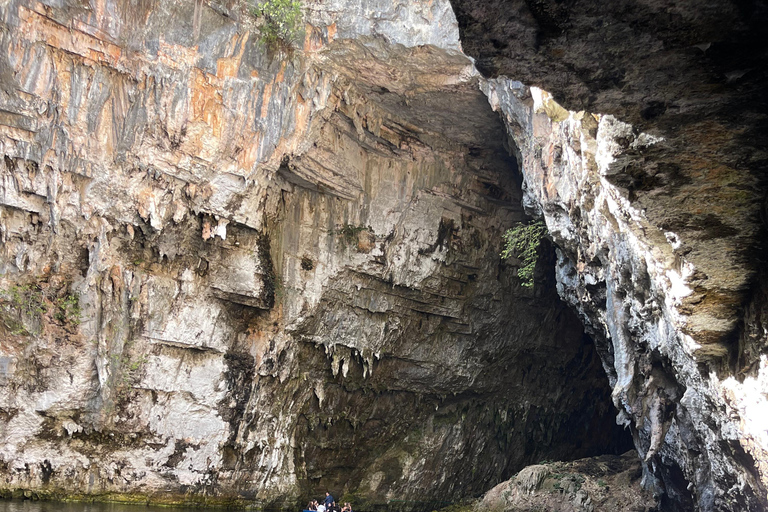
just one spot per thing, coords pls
(53, 506)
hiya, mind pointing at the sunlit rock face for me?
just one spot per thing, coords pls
(286, 266)
(656, 205)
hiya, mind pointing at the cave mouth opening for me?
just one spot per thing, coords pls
(517, 381)
(693, 78)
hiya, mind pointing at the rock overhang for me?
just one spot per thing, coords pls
(214, 176)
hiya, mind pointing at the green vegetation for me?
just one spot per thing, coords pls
(25, 298)
(522, 242)
(578, 481)
(467, 506)
(68, 309)
(22, 307)
(21, 302)
(166, 499)
(348, 234)
(570, 482)
(282, 22)
(126, 374)
(278, 287)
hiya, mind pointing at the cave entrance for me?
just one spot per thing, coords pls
(457, 376)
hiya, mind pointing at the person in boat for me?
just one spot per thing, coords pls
(328, 500)
(347, 507)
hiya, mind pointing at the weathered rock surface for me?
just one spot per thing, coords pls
(287, 266)
(693, 75)
(599, 484)
(658, 223)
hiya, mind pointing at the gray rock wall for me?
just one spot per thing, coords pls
(657, 205)
(699, 433)
(286, 265)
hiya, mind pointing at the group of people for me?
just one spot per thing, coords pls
(328, 505)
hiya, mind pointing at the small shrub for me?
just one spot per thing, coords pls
(22, 304)
(348, 234)
(126, 374)
(282, 20)
(68, 309)
(279, 288)
(26, 298)
(25, 308)
(522, 242)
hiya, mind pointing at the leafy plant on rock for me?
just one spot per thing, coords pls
(20, 304)
(348, 234)
(126, 374)
(522, 242)
(282, 19)
(68, 309)
(25, 308)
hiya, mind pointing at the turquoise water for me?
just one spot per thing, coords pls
(52, 506)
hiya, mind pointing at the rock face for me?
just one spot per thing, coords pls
(691, 75)
(232, 275)
(597, 484)
(657, 206)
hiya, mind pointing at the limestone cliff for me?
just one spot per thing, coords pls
(233, 274)
(656, 202)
